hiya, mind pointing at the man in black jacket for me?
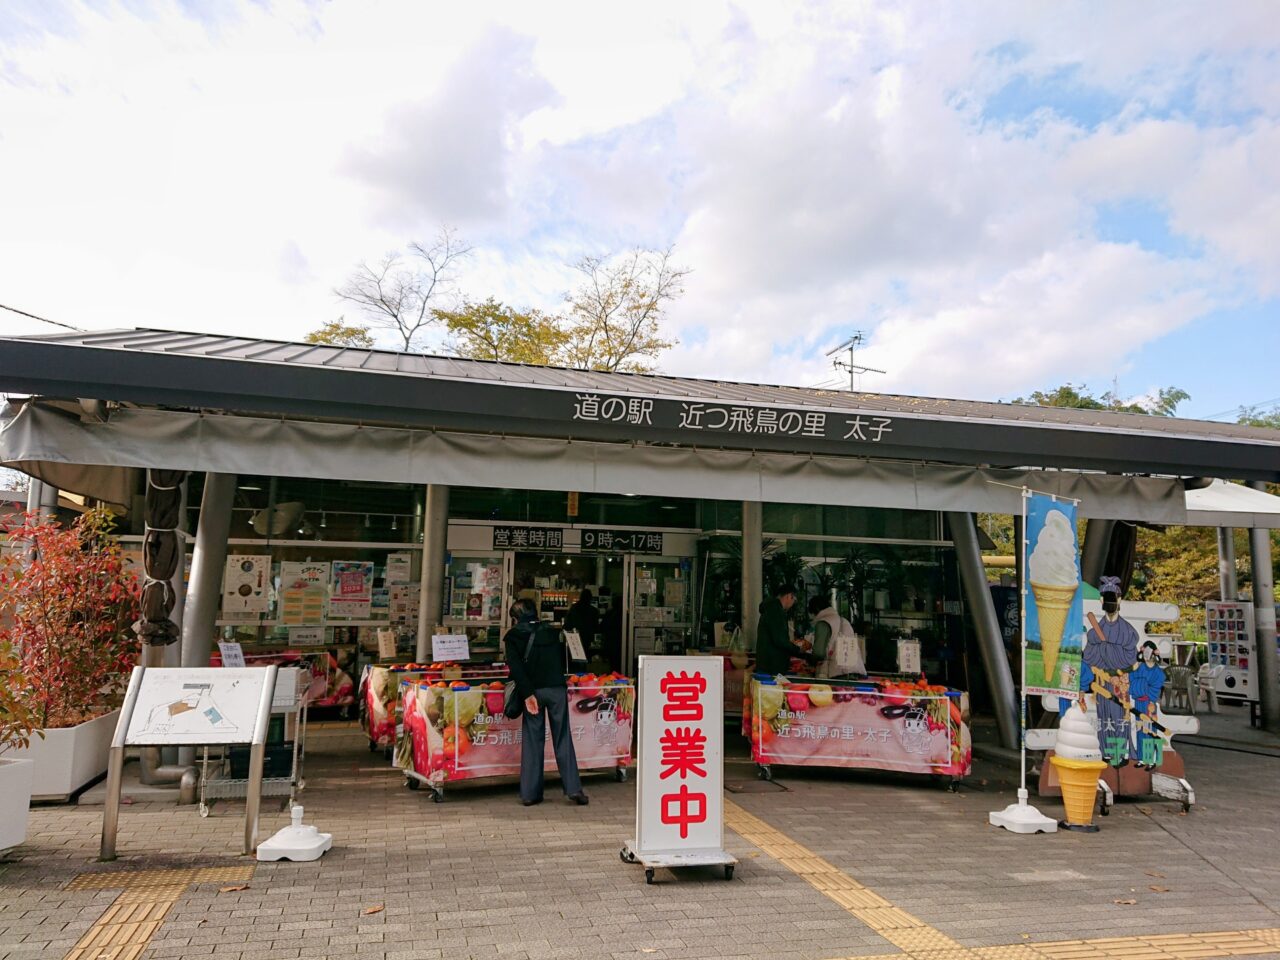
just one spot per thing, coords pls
(538, 671)
(585, 619)
(774, 648)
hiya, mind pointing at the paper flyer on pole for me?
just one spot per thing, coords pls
(1055, 618)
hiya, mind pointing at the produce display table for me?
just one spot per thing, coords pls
(874, 724)
(380, 687)
(380, 690)
(457, 731)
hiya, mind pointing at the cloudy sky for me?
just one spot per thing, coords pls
(1002, 196)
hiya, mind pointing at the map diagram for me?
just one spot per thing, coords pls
(210, 705)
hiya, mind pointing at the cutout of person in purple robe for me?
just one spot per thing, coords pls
(1111, 658)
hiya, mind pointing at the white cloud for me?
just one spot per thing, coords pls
(823, 168)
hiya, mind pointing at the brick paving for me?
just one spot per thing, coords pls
(480, 876)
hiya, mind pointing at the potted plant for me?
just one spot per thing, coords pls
(70, 602)
(16, 726)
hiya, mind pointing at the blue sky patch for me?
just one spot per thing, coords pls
(1060, 91)
(1144, 223)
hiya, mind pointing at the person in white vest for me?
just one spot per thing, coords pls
(834, 640)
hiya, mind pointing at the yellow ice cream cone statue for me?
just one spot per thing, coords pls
(1052, 605)
(1079, 780)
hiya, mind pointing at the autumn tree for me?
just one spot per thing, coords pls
(1163, 404)
(339, 333)
(615, 314)
(399, 292)
(495, 331)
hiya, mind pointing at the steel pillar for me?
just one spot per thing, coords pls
(964, 534)
(1264, 618)
(1228, 584)
(1093, 555)
(435, 538)
(752, 569)
(208, 559)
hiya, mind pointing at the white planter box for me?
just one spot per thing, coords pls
(69, 758)
(15, 800)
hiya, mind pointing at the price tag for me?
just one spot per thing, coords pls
(909, 656)
(232, 653)
(445, 647)
(386, 644)
(306, 636)
(576, 652)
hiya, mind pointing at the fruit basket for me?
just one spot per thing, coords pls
(905, 725)
(457, 730)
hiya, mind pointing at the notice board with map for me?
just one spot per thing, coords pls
(190, 706)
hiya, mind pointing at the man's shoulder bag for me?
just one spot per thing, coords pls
(514, 702)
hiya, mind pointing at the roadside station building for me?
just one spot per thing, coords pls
(474, 481)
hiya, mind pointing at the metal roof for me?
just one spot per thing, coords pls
(272, 376)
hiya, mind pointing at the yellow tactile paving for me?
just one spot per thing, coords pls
(919, 941)
(127, 926)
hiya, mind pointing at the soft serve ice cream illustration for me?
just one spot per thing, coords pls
(1078, 762)
(1054, 577)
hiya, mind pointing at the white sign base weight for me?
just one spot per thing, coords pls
(695, 858)
(1021, 817)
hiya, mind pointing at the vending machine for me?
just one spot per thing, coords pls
(1232, 646)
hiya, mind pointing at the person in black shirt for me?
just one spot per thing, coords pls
(585, 619)
(538, 671)
(611, 632)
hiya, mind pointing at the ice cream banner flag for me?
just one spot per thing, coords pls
(1055, 615)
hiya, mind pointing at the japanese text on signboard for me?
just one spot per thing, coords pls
(683, 750)
(621, 541)
(528, 538)
(732, 418)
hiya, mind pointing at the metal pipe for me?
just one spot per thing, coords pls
(257, 751)
(752, 569)
(1228, 583)
(964, 534)
(115, 768)
(204, 592)
(208, 558)
(434, 541)
(1264, 619)
(1093, 555)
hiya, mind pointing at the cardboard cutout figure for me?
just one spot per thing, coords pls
(1110, 655)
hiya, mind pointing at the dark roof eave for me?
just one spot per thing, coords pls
(486, 406)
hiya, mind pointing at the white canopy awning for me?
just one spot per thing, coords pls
(1223, 504)
(41, 438)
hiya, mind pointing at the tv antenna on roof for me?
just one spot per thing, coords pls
(855, 370)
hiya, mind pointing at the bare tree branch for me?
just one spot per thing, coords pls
(399, 293)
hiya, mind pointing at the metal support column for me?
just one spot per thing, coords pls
(1264, 618)
(752, 568)
(1228, 583)
(1093, 555)
(964, 534)
(435, 538)
(42, 498)
(208, 559)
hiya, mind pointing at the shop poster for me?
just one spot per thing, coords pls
(399, 566)
(404, 604)
(1055, 603)
(246, 586)
(352, 589)
(462, 733)
(304, 588)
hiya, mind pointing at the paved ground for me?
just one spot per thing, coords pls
(480, 876)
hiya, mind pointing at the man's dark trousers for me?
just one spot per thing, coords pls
(553, 702)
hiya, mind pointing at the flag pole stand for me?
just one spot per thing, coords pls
(1022, 817)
